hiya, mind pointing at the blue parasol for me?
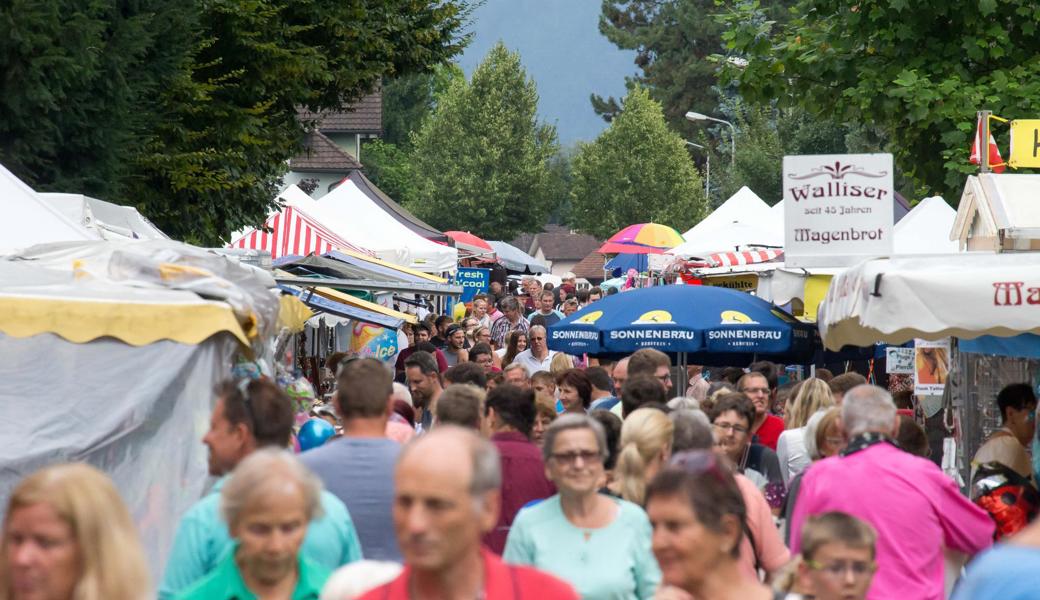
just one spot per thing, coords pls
(711, 325)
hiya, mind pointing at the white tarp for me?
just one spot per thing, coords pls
(966, 295)
(354, 216)
(109, 221)
(926, 229)
(28, 220)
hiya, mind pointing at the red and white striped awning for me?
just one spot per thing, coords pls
(745, 257)
(293, 232)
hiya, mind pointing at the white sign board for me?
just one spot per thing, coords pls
(838, 209)
(899, 361)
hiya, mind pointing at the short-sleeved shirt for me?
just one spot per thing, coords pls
(532, 364)
(1004, 448)
(769, 432)
(610, 563)
(359, 471)
(225, 582)
(202, 540)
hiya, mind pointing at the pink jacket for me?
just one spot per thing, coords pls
(772, 553)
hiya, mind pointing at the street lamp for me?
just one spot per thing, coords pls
(707, 167)
(696, 116)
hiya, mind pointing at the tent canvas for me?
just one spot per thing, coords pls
(725, 237)
(394, 209)
(355, 216)
(515, 259)
(107, 220)
(28, 220)
(742, 207)
(926, 229)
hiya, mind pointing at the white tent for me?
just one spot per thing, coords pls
(350, 213)
(28, 220)
(926, 229)
(109, 221)
(742, 220)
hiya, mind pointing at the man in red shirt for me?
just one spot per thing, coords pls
(766, 426)
(446, 497)
(508, 417)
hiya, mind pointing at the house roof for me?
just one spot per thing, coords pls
(323, 155)
(560, 243)
(590, 267)
(364, 116)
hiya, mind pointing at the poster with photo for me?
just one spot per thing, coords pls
(899, 361)
(931, 366)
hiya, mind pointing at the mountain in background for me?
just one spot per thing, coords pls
(562, 49)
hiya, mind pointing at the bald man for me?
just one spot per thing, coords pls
(447, 497)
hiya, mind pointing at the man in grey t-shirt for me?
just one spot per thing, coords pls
(358, 468)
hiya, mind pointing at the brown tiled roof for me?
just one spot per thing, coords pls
(565, 245)
(323, 155)
(364, 116)
(590, 267)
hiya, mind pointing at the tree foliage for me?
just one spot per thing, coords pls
(481, 158)
(636, 171)
(188, 109)
(915, 72)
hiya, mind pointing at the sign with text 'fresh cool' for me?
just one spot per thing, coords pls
(838, 209)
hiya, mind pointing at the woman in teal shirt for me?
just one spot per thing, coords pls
(599, 544)
(268, 502)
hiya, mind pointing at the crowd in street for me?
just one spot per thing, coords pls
(485, 465)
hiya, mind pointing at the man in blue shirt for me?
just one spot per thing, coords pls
(243, 420)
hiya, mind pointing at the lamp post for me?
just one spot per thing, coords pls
(707, 167)
(696, 116)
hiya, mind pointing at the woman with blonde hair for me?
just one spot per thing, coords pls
(813, 396)
(560, 362)
(645, 447)
(68, 536)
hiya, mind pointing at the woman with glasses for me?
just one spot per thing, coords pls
(837, 559)
(732, 418)
(599, 544)
(698, 515)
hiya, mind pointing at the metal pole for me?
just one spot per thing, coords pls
(707, 167)
(984, 142)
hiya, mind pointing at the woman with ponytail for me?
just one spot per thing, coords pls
(646, 446)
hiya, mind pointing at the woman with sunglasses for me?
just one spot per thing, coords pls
(697, 513)
(599, 544)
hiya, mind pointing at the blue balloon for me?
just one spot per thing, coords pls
(314, 433)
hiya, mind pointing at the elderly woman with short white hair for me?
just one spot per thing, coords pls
(268, 503)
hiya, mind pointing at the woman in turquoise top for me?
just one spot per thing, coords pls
(599, 544)
(268, 502)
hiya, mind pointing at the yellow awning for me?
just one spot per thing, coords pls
(338, 296)
(135, 323)
(292, 313)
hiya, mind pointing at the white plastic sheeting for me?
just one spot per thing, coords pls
(137, 413)
(27, 220)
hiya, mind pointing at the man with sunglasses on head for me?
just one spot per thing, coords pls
(247, 417)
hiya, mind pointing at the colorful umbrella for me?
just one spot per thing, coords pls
(642, 238)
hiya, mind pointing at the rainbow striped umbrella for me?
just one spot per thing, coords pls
(642, 238)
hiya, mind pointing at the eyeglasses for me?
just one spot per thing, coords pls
(730, 427)
(665, 377)
(538, 339)
(758, 390)
(570, 458)
(839, 569)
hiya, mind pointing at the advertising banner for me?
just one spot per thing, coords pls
(931, 366)
(838, 209)
(473, 281)
(374, 341)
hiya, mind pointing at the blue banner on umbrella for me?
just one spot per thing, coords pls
(697, 320)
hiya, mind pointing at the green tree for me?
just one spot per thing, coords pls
(481, 158)
(896, 67)
(636, 171)
(188, 109)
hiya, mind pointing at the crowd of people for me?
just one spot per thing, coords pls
(482, 464)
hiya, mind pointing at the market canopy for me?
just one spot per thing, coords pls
(398, 212)
(471, 244)
(515, 259)
(359, 217)
(107, 220)
(895, 300)
(926, 229)
(710, 325)
(642, 238)
(28, 220)
(742, 207)
(356, 272)
(727, 237)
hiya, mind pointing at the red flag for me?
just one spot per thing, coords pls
(996, 164)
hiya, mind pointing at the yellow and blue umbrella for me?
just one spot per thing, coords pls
(711, 325)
